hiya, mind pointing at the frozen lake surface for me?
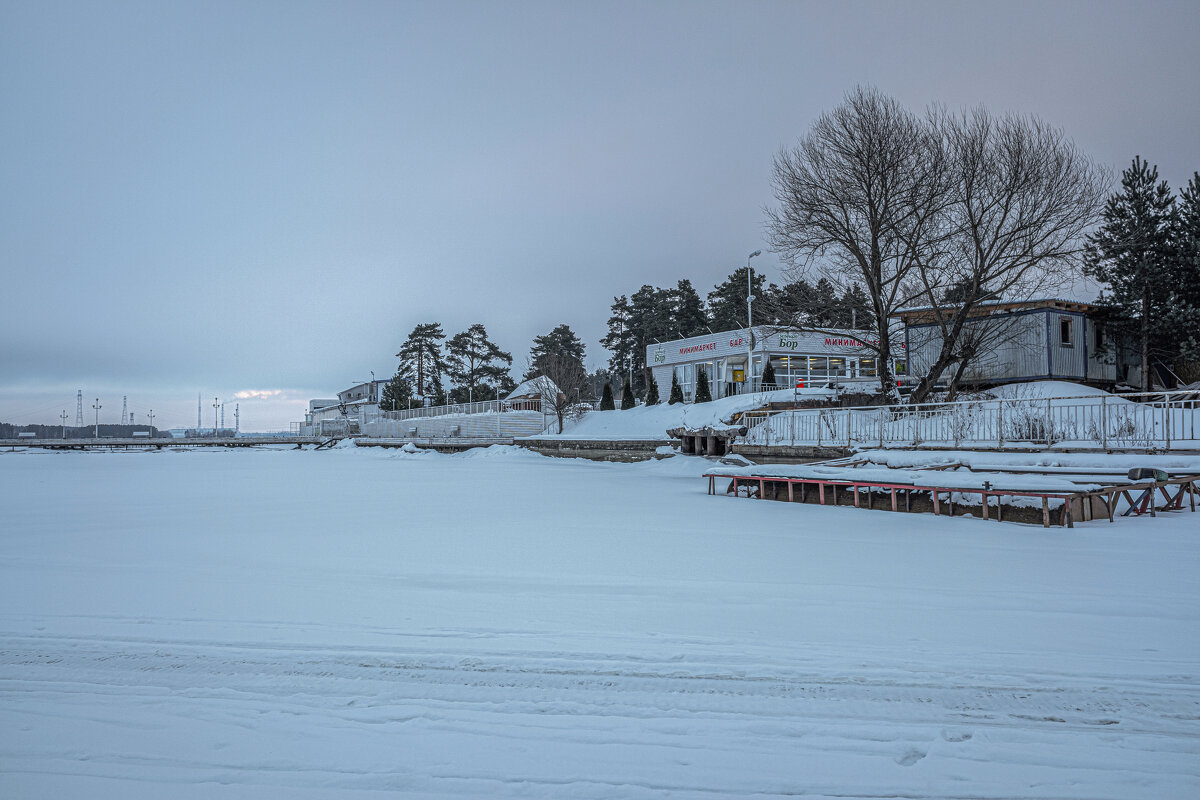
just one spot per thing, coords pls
(280, 623)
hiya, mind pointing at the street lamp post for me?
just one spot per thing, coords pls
(216, 405)
(750, 320)
(63, 416)
(96, 405)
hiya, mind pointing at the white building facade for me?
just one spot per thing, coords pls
(734, 361)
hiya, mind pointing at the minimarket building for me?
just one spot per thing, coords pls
(734, 361)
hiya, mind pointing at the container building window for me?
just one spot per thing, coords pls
(1064, 332)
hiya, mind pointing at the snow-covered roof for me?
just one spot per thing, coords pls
(536, 387)
(1010, 305)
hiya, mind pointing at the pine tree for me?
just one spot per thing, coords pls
(621, 340)
(476, 364)
(564, 346)
(676, 391)
(421, 359)
(1185, 305)
(768, 377)
(727, 300)
(606, 400)
(1131, 254)
(397, 394)
(652, 392)
(855, 300)
(627, 401)
(687, 310)
(703, 395)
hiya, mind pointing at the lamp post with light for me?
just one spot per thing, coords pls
(750, 321)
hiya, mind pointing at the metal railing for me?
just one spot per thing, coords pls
(481, 407)
(1157, 420)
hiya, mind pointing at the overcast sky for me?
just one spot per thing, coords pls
(257, 197)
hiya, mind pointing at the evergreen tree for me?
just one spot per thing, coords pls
(826, 312)
(676, 391)
(476, 364)
(1184, 316)
(727, 301)
(421, 359)
(687, 310)
(1131, 255)
(636, 323)
(627, 401)
(621, 340)
(855, 300)
(652, 392)
(397, 394)
(703, 395)
(563, 345)
(606, 401)
(791, 304)
(768, 377)
(594, 386)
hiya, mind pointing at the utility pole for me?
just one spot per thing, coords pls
(63, 416)
(216, 405)
(151, 416)
(96, 405)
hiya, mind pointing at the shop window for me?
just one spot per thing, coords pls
(818, 366)
(866, 367)
(837, 367)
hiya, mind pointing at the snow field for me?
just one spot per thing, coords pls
(326, 624)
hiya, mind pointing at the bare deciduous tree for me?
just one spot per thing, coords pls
(561, 379)
(1020, 198)
(858, 199)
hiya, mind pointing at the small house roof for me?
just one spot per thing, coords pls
(534, 387)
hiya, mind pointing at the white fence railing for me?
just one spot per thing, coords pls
(1160, 420)
(481, 407)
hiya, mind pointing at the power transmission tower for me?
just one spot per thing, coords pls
(79, 409)
(125, 410)
(97, 406)
(198, 423)
(222, 416)
(237, 417)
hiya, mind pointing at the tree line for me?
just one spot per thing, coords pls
(470, 367)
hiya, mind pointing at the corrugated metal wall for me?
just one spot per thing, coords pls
(1068, 358)
(1102, 361)
(1020, 352)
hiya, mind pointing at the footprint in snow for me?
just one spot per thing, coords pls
(956, 736)
(910, 757)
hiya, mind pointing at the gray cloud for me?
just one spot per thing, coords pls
(269, 196)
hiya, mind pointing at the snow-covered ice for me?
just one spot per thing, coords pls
(281, 623)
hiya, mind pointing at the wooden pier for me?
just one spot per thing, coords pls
(1092, 496)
